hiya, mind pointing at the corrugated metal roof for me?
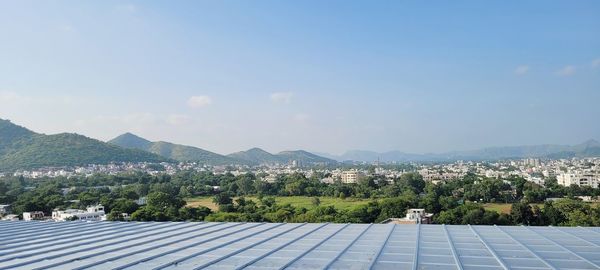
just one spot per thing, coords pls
(185, 245)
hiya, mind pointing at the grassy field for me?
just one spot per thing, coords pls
(297, 201)
(498, 207)
(306, 202)
(201, 201)
(504, 207)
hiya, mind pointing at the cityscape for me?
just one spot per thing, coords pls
(576, 171)
(331, 135)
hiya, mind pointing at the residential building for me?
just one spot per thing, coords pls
(413, 216)
(579, 178)
(11, 218)
(142, 201)
(35, 215)
(350, 177)
(92, 213)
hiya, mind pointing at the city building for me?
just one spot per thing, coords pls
(578, 178)
(350, 177)
(531, 162)
(413, 216)
(10, 218)
(142, 201)
(92, 213)
(35, 215)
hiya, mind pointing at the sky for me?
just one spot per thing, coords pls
(325, 76)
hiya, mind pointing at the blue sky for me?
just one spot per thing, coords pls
(325, 76)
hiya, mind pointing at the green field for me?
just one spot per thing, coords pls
(201, 201)
(498, 207)
(504, 207)
(296, 201)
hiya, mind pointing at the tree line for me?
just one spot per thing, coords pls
(458, 201)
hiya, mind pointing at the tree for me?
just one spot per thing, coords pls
(194, 213)
(396, 207)
(115, 216)
(162, 200)
(551, 215)
(521, 213)
(222, 198)
(124, 206)
(412, 180)
(268, 201)
(315, 201)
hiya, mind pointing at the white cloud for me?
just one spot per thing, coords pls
(566, 71)
(199, 101)
(522, 70)
(282, 97)
(596, 63)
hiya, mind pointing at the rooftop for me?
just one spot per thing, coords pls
(186, 245)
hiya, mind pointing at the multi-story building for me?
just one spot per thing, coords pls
(92, 213)
(578, 178)
(350, 177)
(35, 215)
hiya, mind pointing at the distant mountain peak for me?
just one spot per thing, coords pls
(6, 125)
(130, 140)
(11, 133)
(21, 148)
(130, 135)
(171, 150)
(256, 149)
(260, 156)
(591, 142)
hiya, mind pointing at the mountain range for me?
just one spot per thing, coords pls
(21, 148)
(259, 156)
(254, 156)
(173, 151)
(590, 148)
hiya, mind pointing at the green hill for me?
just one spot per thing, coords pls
(173, 151)
(259, 156)
(21, 148)
(305, 157)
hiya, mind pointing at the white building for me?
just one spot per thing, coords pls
(271, 178)
(142, 201)
(4, 209)
(328, 180)
(350, 177)
(578, 178)
(36, 215)
(11, 218)
(413, 216)
(92, 213)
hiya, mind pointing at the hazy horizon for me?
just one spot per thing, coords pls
(326, 77)
(316, 151)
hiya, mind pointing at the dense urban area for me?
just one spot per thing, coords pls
(560, 192)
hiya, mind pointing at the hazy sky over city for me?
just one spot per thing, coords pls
(326, 76)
